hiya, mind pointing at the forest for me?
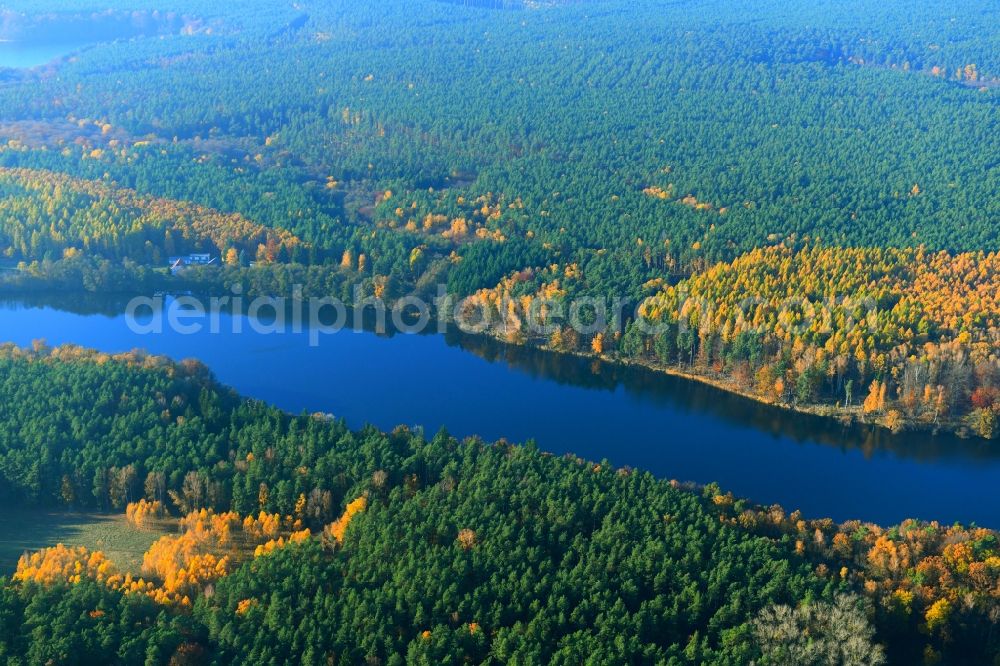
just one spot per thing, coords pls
(650, 145)
(794, 201)
(897, 336)
(292, 535)
(47, 215)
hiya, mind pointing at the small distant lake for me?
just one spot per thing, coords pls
(671, 427)
(18, 55)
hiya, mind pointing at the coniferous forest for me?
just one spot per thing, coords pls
(525, 153)
(793, 201)
(299, 538)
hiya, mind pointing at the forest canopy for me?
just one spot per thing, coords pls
(295, 536)
(799, 198)
(627, 146)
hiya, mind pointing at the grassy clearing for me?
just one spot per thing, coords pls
(24, 530)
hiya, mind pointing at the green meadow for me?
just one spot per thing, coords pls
(24, 530)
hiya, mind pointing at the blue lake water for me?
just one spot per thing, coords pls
(674, 428)
(24, 56)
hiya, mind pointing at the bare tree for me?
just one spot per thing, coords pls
(836, 633)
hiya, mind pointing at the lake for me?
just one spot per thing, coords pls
(23, 56)
(672, 427)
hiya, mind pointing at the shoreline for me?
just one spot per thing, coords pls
(848, 415)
